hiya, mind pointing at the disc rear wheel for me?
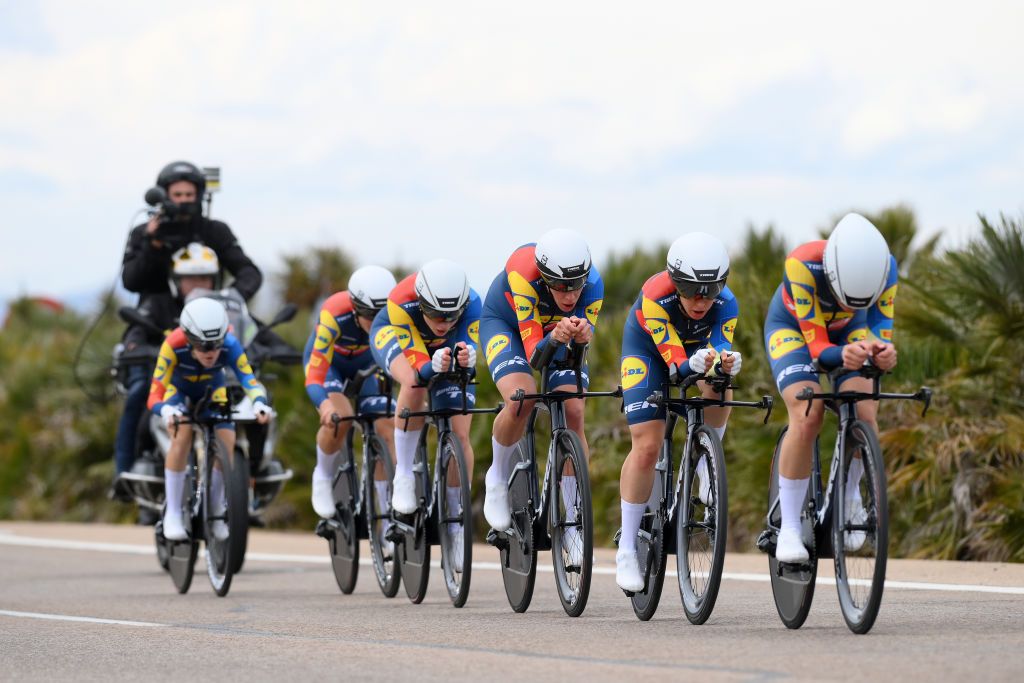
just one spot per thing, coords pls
(413, 549)
(519, 555)
(344, 541)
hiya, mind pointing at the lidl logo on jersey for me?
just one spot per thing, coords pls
(634, 372)
(383, 337)
(859, 334)
(804, 301)
(593, 310)
(474, 331)
(783, 341)
(887, 302)
(658, 331)
(524, 306)
(404, 337)
(729, 329)
(495, 345)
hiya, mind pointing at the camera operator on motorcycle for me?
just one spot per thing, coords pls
(148, 268)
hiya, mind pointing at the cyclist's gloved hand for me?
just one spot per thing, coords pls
(169, 414)
(730, 364)
(263, 412)
(702, 360)
(467, 355)
(442, 360)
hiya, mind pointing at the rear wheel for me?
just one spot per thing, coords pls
(413, 550)
(181, 555)
(377, 509)
(650, 552)
(519, 557)
(454, 519)
(860, 525)
(344, 541)
(225, 544)
(701, 526)
(241, 461)
(792, 585)
(572, 524)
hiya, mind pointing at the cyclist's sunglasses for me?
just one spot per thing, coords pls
(366, 311)
(206, 346)
(688, 289)
(441, 316)
(565, 285)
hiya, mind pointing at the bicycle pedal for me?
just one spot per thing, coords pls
(394, 534)
(496, 539)
(765, 543)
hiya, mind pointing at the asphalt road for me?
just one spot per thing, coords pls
(89, 602)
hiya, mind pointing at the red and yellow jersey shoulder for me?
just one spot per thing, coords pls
(653, 315)
(523, 281)
(403, 306)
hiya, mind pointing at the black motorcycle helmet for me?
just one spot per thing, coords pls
(182, 170)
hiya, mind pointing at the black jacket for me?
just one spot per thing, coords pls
(163, 310)
(145, 268)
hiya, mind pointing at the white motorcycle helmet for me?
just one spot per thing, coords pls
(205, 323)
(368, 288)
(698, 264)
(563, 259)
(856, 262)
(195, 259)
(443, 290)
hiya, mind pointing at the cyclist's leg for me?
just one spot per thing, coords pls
(134, 407)
(506, 360)
(174, 473)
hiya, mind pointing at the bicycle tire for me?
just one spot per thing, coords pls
(701, 577)
(223, 555)
(457, 582)
(181, 555)
(378, 515)
(242, 461)
(573, 594)
(414, 549)
(861, 617)
(344, 541)
(792, 587)
(519, 556)
(650, 550)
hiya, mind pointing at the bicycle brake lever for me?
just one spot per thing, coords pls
(404, 415)
(926, 398)
(655, 399)
(518, 396)
(767, 402)
(806, 394)
(336, 422)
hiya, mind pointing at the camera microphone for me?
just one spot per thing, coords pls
(155, 196)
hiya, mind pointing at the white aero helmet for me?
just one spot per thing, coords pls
(698, 264)
(856, 262)
(563, 259)
(195, 259)
(368, 288)
(205, 323)
(443, 290)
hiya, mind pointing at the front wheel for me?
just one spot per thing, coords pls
(701, 525)
(226, 528)
(572, 523)
(860, 528)
(454, 519)
(380, 472)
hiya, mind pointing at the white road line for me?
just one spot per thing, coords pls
(7, 538)
(68, 617)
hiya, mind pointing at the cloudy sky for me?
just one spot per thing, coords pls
(407, 131)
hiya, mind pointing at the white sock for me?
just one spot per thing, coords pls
(501, 461)
(454, 496)
(326, 463)
(791, 501)
(174, 487)
(405, 450)
(853, 476)
(720, 431)
(382, 495)
(632, 514)
(216, 489)
(702, 470)
(569, 495)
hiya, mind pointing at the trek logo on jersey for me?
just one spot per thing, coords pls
(634, 372)
(383, 337)
(729, 329)
(495, 345)
(887, 302)
(524, 306)
(592, 311)
(784, 341)
(859, 334)
(474, 331)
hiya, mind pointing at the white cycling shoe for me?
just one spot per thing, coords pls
(496, 510)
(855, 514)
(703, 482)
(790, 548)
(458, 546)
(323, 497)
(572, 541)
(174, 526)
(218, 526)
(627, 571)
(403, 495)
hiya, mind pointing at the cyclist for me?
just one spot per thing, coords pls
(548, 293)
(192, 359)
(835, 305)
(192, 267)
(337, 356)
(681, 324)
(431, 322)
